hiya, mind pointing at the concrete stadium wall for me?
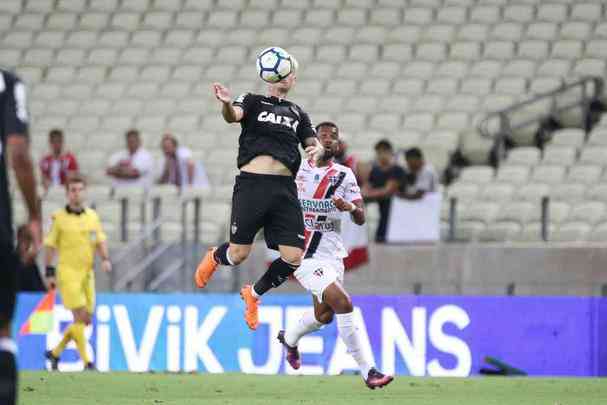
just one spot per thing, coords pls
(444, 269)
(472, 269)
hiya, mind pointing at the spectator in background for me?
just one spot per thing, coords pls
(420, 176)
(133, 166)
(177, 166)
(384, 181)
(29, 276)
(56, 166)
(342, 156)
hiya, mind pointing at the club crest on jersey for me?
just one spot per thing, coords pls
(318, 272)
(234, 228)
(334, 180)
(316, 178)
(288, 122)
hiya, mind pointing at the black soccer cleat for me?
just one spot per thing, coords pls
(90, 366)
(54, 360)
(375, 379)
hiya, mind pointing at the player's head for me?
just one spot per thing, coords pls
(328, 135)
(415, 159)
(133, 140)
(55, 139)
(286, 84)
(384, 152)
(169, 144)
(75, 186)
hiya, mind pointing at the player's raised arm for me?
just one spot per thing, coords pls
(231, 113)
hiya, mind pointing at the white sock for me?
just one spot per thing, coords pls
(254, 293)
(8, 345)
(228, 257)
(349, 334)
(306, 324)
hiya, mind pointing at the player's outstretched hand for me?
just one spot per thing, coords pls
(342, 204)
(106, 266)
(51, 283)
(315, 151)
(222, 93)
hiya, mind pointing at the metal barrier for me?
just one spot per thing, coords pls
(150, 243)
(499, 125)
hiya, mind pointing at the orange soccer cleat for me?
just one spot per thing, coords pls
(251, 303)
(205, 269)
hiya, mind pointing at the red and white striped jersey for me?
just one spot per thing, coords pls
(315, 188)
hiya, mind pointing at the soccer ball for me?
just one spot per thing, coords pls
(274, 64)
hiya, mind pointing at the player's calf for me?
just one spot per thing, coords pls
(8, 371)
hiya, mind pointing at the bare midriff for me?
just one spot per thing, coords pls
(265, 164)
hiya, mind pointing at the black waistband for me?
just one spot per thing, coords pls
(270, 177)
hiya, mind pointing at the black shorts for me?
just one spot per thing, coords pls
(9, 266)
(269, 202)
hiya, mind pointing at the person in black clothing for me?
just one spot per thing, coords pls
(384, 181)
(29, 275)
(14, 148)
(265, 194)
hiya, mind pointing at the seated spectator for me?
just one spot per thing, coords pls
(420, 176)
(56, 166)
(133, 166)
(384, 181)
(29, 276)
(177, 166)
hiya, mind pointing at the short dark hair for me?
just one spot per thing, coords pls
(73, 178)
(383, 144)
(171, 138)
(327, 124)
(55, 133)
(132, 132)
(414, 153)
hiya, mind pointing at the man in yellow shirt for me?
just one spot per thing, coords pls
(76, 234)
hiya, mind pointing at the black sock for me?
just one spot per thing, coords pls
(221, 255)
(8, 378)
(277, 274)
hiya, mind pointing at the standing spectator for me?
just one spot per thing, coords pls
(384, 181)
(177, 166)
(133, 166)
(420, 176)
(29, 276)
(57, 165)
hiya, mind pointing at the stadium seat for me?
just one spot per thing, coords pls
(319, 18)
(511, 85)
(542, 30)
(406, 34)
(554, 67)
(508, 31)
(421, 121)
(463, 191)
(428, 103)
(579, 30)
(589, 67)
(416, 69)
(513, 174)
(486, 69)
(535, 49)
(559, 155)
(497, 192)
(418, 16)
(598, 233)
(598, 136)
(568, 192)
(549, 174)
(524, 156)
(532, 232)
(552, 12)
(519, 67)
(567, 49)
(532, 192)
(499, 50)
(593, 155)
(586, 11)
(568, 137)
(438, 33)
(571, 232)
(477, 174)
(501, 231)
(519, 12)
(487, 14)
(484, 212)
(585, 174)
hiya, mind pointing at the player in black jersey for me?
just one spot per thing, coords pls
(14, 148)
(265, 194)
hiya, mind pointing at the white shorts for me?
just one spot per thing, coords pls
(316, 274)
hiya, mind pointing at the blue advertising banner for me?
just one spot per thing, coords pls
(406, 335)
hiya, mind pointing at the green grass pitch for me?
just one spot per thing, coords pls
(42, 388)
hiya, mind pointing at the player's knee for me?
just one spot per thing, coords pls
(292, 259)
(238, 254)
(325, 317)
(343, 304)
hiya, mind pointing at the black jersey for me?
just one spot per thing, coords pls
(274, 127)
(13, 120)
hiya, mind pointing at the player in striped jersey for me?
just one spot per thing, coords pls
(326, 190)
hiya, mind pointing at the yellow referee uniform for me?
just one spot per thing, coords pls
(76, 236)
